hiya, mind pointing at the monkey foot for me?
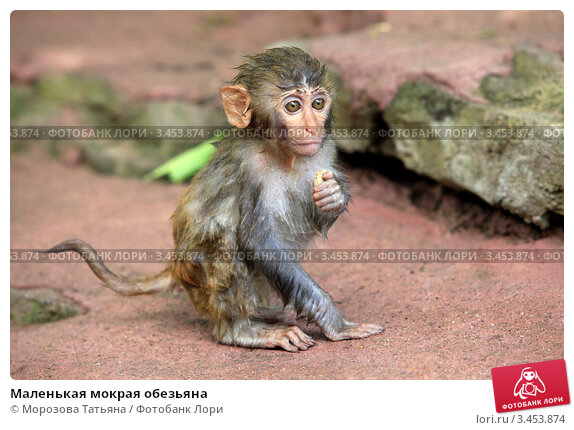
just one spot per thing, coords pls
(356, 331)
(259, 334)
(291, 338)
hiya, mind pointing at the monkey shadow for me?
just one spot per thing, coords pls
(169, 311)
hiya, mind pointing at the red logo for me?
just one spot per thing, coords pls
(529, 386)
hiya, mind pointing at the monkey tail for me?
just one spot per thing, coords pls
(131, 286)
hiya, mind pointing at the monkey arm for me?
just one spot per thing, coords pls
(296, 287)
(258, 232)
(299, 290)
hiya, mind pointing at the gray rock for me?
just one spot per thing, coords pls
(522, 175)
(40, 305)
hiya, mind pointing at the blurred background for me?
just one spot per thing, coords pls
(499, 69)
(485, 68)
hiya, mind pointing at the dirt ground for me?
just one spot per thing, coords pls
(443, 320)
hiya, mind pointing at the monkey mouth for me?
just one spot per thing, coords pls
(308, 141)
(308, 147)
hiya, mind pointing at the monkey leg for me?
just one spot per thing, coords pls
(238, 316)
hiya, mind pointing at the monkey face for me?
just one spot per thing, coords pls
(284, 92)
(304, 113)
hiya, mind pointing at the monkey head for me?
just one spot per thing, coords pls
(285, 92)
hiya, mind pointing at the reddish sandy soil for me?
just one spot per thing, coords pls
(443, 321)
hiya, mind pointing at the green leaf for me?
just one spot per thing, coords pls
(186, 164)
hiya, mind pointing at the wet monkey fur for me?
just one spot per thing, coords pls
(270, 193)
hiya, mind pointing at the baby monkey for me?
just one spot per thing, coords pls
(268, 193)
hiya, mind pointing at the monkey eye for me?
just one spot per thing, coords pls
(318, 103)
(293, 106)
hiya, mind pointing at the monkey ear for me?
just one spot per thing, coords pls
(236, 102)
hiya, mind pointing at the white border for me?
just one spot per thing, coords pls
(286, 404)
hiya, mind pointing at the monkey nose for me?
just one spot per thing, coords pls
(312, 130)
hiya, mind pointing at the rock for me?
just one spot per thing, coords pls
(524, 176)
(40, 305)
(446, 68)
(444, 48)
(81, 100)
(138, 157)
(84, 92)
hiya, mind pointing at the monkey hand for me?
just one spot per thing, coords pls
(327, 193)
(354, 331)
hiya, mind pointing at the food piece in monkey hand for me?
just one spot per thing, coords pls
(253, 197)
(319, 177)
